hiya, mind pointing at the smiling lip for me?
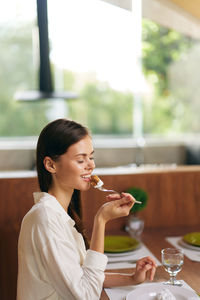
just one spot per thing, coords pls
(86, 177)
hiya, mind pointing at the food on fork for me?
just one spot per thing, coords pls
(98, 184)
(96, 181)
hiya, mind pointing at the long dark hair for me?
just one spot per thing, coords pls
(54, 140)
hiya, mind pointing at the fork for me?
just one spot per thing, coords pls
(113, 191)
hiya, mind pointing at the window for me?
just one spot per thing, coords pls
(91, 48)
(18, 69)
(92, 52)
(170, 65)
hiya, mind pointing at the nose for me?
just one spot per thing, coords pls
(90, 164)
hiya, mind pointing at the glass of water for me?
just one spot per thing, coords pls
(172, 261)
(135, 227)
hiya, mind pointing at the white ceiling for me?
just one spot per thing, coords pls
(179, 15)
(126, 4)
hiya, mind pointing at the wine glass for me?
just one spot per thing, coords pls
(172, 261)
(135, 227)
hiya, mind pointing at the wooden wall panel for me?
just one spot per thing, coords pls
(15, 200)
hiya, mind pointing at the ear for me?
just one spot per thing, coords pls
(49, 164)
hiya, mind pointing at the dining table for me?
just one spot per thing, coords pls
(155, 240)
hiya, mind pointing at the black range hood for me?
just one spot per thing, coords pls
(46, 90)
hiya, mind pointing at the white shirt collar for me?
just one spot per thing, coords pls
(49, 200)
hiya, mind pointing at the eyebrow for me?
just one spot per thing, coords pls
(84, 154)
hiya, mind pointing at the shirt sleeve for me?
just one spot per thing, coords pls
(61, 261)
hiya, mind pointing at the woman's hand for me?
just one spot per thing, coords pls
(145, 269)
(118, 206)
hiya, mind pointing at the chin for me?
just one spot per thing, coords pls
(84, 188)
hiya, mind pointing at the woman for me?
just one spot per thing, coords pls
(53, 260)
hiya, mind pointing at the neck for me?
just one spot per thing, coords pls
(63, 197)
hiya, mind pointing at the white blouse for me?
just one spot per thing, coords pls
(53, 263)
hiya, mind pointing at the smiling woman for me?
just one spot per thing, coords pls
(52, 256)
(77, 161)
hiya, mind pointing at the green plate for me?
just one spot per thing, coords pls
(192, 238)
(120, 243)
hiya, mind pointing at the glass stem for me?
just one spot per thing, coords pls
(172, 279)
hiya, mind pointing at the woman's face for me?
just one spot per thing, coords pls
(74, 168)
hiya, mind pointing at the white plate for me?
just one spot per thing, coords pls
(188, 246)
(150, 291)
(121, 254)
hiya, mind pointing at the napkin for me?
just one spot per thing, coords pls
(129, 261)
(165, 294)
(120, 293)
(191, 254)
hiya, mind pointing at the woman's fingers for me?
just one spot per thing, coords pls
(125, 197)
(152, 273)
(125, 200)
(120, 195)
(145, 269)
(114, 196)
(128, 196)
(117, 206)
(147, 263)
(147, 259)
(121, 202)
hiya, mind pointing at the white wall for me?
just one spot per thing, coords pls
(108, 153)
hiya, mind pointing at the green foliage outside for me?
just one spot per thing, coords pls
(102, 109)
(161, 47)
(165, 113)
(17, 73)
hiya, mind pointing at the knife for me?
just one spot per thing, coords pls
(132, 261)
